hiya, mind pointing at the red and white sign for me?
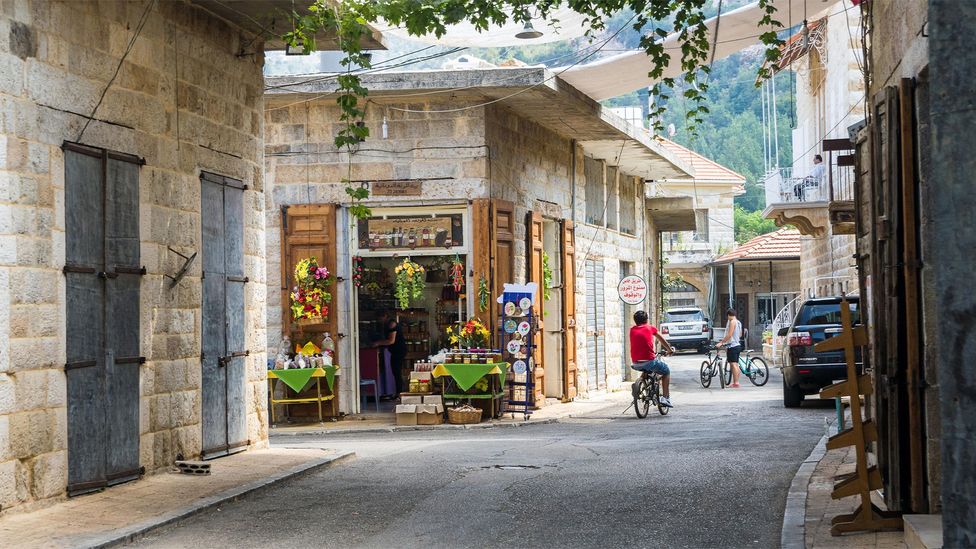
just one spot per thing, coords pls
(632, 290)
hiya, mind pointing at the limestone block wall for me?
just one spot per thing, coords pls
(185, 102)
(532, 166)
(827, 265)
(303, 166)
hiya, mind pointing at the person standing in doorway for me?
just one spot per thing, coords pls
(733, 337)
(395, 345)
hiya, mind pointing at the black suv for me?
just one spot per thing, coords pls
(806, 371)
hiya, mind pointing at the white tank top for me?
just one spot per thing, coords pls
(736, 338)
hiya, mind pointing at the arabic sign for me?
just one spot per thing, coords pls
(632, 290)
(396, 188)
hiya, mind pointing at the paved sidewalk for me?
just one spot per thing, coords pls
(122, 513)
(386, 422)
(821, 508)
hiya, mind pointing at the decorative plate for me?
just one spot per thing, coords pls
(524, 328)
(510, 326)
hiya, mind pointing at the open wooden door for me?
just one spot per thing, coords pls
(494, 254)
(534, 250)
(308, 231)
(568, 249)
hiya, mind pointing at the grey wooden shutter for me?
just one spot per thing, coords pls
(224, 426)
(102, 275)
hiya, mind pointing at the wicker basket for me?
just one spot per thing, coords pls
(463, 416)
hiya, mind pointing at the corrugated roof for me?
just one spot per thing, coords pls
(705, 169)
(781, 244)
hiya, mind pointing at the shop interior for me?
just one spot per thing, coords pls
(423, 324)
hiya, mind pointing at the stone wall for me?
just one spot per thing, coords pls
(827, 265)
(183, 101)
(531, 166)
(303, 166)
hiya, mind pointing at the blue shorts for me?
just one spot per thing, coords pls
(656, 366)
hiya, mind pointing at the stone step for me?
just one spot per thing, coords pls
(923, 531)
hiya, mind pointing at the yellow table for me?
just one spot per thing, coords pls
(318, 374)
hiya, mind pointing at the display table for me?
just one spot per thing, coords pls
(466, 376)
(297, 379)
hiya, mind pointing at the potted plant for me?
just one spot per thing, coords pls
(471, 335)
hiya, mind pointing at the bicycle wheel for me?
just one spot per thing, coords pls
(706, 374)
(758, 371)
(642, 401)
(720, 367)
(657, 399)
(727, 373)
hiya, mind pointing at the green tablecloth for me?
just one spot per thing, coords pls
(466, 375)
(298, 378)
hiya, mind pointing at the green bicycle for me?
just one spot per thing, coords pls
(753, 367)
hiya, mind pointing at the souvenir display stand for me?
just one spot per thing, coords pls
(516, 332)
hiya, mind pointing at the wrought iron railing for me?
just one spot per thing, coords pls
(783, 188)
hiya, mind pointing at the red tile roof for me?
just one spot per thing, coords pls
(781, 244)
(705, 169)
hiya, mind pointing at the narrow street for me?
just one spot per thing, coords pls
(713, 473)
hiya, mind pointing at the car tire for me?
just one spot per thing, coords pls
(792, 396)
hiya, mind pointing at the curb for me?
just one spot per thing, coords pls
(793, 534)
(410, 428)
(136, 531)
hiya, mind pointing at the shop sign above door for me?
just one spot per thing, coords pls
(632, 290)
(404, 187)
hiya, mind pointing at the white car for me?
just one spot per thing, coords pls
(686, 328)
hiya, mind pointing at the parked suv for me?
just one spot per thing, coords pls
(805, 371)
(686, 328)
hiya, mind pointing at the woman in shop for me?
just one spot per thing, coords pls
(395, 347)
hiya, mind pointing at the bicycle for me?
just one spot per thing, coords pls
(647, 391)
(712, 366)
(754, 368)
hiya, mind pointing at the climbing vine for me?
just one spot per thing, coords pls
(350, 20)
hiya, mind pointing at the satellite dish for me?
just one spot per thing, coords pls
(671, 130)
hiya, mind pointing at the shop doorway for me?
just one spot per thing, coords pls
(552, 310)
(596, 343)
(423, 324)
(102, 280)
(224, 425)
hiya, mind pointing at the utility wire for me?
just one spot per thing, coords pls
(128, 48)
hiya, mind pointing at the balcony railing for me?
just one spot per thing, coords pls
(783, 188)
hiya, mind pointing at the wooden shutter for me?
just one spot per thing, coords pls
(569, 309)
(481, 262)
(102, 275)
(308, 231)
(534, 251)
(494, 252)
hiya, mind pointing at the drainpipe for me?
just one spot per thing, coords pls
(572, 177)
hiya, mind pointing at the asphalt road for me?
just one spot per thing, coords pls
(713, 473)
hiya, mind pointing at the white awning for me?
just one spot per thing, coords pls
(737, 30)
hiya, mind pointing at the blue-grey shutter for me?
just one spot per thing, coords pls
(84, 322)
(234, 291)
(122, 282)
(214, 399)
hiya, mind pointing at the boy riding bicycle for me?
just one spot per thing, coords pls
(644, 358)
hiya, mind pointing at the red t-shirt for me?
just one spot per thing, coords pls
(642, 343)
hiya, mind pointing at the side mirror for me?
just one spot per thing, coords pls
(783, 331)
(708, 321)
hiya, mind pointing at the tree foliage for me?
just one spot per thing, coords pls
(749, 225)
(350, 20)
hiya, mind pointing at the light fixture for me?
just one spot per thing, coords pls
(386, 129)
(806, 35)
(528, 31)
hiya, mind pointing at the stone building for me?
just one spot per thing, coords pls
(689, 254)
(914, 252)
(829, 93)
(763, 275)
(131, 232)
(536, 178)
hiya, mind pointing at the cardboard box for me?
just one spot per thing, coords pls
(406, 414)
(411, 399)
(430, 414)
(433, 399)
(423, 376)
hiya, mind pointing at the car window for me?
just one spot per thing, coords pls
(825, 313)
(684, 316)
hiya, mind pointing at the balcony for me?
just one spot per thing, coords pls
(813, 205)
(686, 249)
